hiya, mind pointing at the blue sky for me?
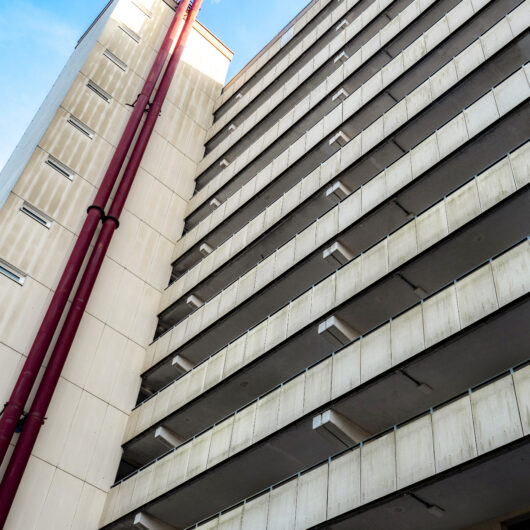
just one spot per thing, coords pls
(37, 37)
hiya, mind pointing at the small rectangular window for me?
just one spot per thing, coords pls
(103, 94)
(12, 272)
(63, 169)
(118, 62)
(134, 36)
(36, 214)
(80, 126)
(142, 8)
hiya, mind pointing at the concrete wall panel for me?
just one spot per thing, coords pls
(511, 273)
(312, 498)
(291, 400)
(255, 341)
(344, 492)
(521, 380)
(378, 467)
(414, 451)
(255, 513)
(375, 353)
(243, 428)
(407, 336)
(454, 437)
(266, 415)
(495, 415)
(440, 316)
(231, 520)
(318, 385)
(346, 369)
(470, 306)
(282, 506)
(220, 444)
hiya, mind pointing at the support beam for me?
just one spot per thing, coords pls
(336, 331)
(215, 203)
(168, 437)
(342, 57)
(194, 301)
(239, 95)
(341, 94)
(337, 192)
(341, 25)
(148, 391)
(144, 521)
(224, 163)
(334, 426)
(183, 364)
(232, 127)
(205, 249)
(340, 139)
(337, 254)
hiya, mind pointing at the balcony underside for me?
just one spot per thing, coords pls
(382, 156)
(489, 234)
(459, 362)
(485, 488)
(469, 160)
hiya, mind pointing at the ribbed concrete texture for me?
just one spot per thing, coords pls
(315, 311)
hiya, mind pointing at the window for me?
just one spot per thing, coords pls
(134, 36)
(80, 126)
(118, 62)
(12, 272)
(142, 8)
(61, 168)
(104, 95)
(36, 214)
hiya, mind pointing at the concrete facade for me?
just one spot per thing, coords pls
(314, 314)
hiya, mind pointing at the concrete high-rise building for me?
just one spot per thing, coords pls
(314, 312)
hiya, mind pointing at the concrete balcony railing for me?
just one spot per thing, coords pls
(362, 218)
(246, 234)
(287, 62)
(271, 216)
(478, 195)
(254, 68)
(398, 463)
(275, 103)
(499, 283)
(197, 208)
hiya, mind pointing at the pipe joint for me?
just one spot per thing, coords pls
(99, 209)
(112, 218)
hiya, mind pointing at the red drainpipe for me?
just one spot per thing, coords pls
(14, 408)
(36, 416)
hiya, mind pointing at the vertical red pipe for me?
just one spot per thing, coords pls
(19, 396)
(35, 418)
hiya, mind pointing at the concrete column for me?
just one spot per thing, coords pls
(232, 127)
(182, 363)
(337, 192)
(337, 254)
(224, 163)
(336, 427)
(168, 437)
(336, 331)
(144, 521)
(215, 202)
